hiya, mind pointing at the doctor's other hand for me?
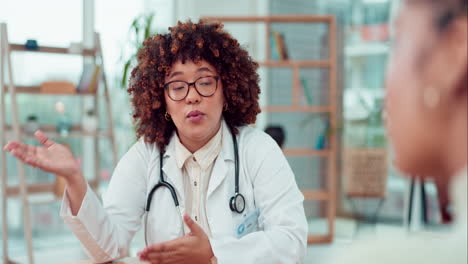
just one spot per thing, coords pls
(51, 157)
(193, 248)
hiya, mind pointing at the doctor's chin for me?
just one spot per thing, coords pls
(221, 132)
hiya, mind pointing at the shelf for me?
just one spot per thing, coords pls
(316, 195)
(13, 191)
(367, 49)
(306, 152)
(374, 1)
(36, 90)
(51, 132)
(296, 63)
(274, 18)
(56, 50)
(297, 109)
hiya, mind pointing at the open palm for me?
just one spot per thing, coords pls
(51, 156)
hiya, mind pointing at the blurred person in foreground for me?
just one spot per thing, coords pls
(426, 108)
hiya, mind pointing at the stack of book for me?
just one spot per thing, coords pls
(278, 46)
(58, 87)
(89, 81)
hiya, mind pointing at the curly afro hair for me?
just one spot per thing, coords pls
(195, 42)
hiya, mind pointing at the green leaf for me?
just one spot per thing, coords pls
(135, 27)
(149, 22)
(125, 73)
(140, 28)
(137, 30)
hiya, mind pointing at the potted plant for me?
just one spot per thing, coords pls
(32, 124)
(140, 30)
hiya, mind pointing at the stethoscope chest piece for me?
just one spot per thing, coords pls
(237, 203)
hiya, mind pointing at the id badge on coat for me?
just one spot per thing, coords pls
(249, 224)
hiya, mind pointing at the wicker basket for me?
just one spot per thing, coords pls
(366, 172)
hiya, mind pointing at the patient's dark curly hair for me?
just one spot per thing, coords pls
(191, 41)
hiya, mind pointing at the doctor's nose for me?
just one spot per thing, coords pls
(193, 96)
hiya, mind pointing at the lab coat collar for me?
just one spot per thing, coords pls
(227, 143)
(220, 168)
(174, 175)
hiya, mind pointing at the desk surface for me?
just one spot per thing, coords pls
(123, 261)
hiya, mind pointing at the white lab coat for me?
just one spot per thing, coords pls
(415, 248)
(265, 179)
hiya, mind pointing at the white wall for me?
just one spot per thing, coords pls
(246, 34)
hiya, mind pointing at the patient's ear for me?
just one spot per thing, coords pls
(454, 45)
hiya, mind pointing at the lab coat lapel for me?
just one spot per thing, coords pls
(172, 173)
(226, 156)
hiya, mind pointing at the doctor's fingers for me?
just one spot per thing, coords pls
(22, 151)
(43, 139)
(171, 257)
(27, 153)
(173, 245)
(195, 229)
(12, 145)
(29, 159)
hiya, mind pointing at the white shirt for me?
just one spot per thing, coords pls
(424, 248)
(196, 169)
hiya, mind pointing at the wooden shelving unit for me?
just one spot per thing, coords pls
(36, 90)
(295, 64)
(50, 131)
(328, 194)
(57, 50)
(15, 131)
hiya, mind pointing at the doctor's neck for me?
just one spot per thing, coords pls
(195, 141)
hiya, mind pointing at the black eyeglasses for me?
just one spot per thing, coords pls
(205, 86)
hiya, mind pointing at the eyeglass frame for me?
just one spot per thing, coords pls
(166, 85)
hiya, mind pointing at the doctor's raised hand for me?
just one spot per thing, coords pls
(54, 158)
(51, 156)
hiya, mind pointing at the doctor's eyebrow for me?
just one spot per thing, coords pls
(202, 69)
(175, 74)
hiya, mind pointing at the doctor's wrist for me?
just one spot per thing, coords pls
(76, 179)
(214, 260)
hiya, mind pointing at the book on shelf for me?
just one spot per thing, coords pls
(89, 80)
(322, 137)
(280, 45)
(307, 94)
(57, 87)
(274, 48)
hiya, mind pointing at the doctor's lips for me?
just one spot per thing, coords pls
(195, 116)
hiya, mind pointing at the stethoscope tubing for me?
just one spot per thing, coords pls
(163, 183)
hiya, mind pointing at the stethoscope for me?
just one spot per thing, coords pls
(236, 203)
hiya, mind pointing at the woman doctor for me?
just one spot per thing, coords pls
(226, 193)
